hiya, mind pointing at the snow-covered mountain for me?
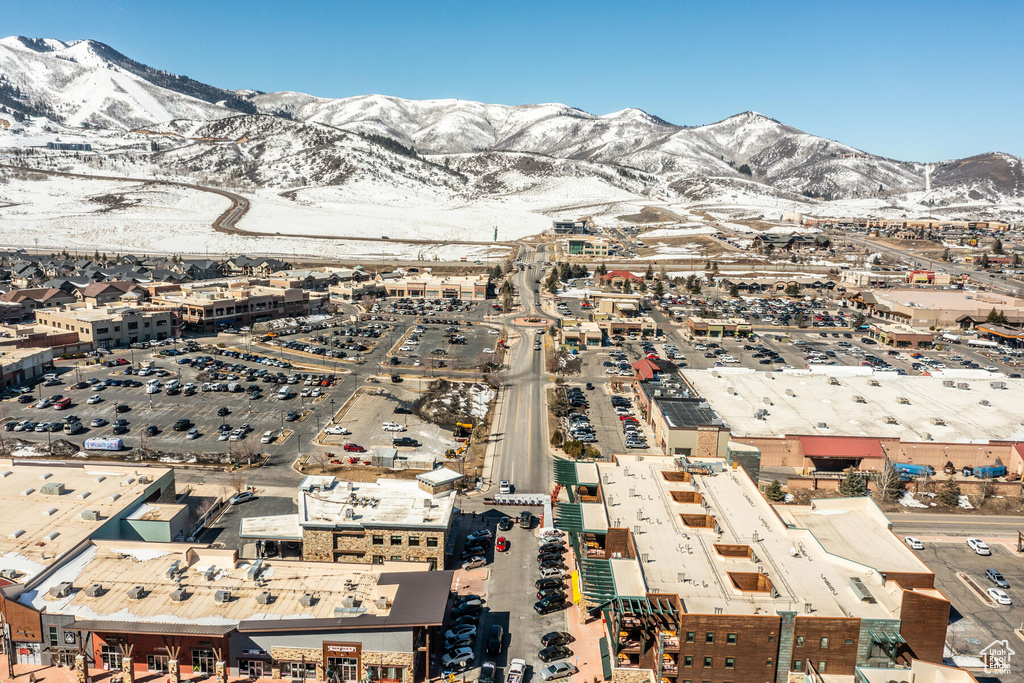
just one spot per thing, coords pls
(289, 139)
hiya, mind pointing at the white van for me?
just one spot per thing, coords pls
(267, 437)
(172, 385)
(284, 393)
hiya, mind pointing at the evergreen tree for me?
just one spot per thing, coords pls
(996, 317)
(949, 493)
(734, 291)
(853, 483)
(659, 289)
(626, 287)
(773, 491)
(997, 246)
(745, 170)
(642, 287)
(650, 272)
(945, 254)
(793, 290)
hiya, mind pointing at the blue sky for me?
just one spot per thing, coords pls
(908, 79)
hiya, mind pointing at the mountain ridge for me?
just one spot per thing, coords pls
(86, 83)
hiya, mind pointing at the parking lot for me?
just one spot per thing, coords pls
(442, 345)
(975, 622)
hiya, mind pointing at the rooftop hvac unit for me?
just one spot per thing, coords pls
(6, 473)
(94, 591)
(350, 513)
(348, 601)
(50, 513)
(100, 479)
(53, 488)
(984, 402)
(822, 425)
(937, 421)
(903, 400)
(963, 385)
(90, 515)
(173, 569)
(52, 535)
(17, 533)
(381, 602)
(427, 503)
(84, 494)
(890, 420)
(222, 596)
(833, 381)
(948, 383)
(179, 595)
(61, 590)
(767, 401)
(136, 592)
(264, 598)
(790, 392)
(144, 479)
(307, 600)
(211, 572)
(859, 399)
(28, 492)
(730, 391)
(254, 570)
(997, 385)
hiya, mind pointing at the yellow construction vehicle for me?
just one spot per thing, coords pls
(463, 430)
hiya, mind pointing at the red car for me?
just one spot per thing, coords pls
(501, 545)
(354, 448)
(627, 418)
(122, 361)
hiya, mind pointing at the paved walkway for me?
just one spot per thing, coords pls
(26, 673)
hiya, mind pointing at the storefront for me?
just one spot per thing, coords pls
(342, 662)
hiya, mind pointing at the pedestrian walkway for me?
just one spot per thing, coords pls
(37, 673)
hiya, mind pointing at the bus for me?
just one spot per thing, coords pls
(62, 404)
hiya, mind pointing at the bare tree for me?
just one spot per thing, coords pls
(243, 452)
(319, 460)
(237, 482)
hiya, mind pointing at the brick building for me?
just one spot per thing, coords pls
(209, 308)
(718, 585)
(112, 326)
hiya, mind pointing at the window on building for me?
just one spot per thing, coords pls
(157, 663)
(822, 667)
(396, 558)
(414, 541)
(110, 656)
(99, 330)
(730, 638)
(771, 639)
(689, 636)
(769, 662)
(799, 641)
(431, 541)
(709, 662)
(849, 641)
(709, 637)
(396, 540)
(378, 539)
(730, 662)
(133, 326)
(52, 633)
(688, 660)
(824, 642)
(798, 664)
(378, 559)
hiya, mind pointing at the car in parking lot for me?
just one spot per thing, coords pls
(556, 638)
(122, 408)
(557, 670)
(182, 425)
(151, 430)
(999, 596)
(913, 543)
(474, 606)
(553, 653)
(241, 497)
(460, 632)
(479, 534)
(474, 562)
(459, 658)
(505, 523)
(192, 433)
(997, 578)
(93, 400)
(98, 422)
(525, 519)
(353, 448)
(337, 429)
(979, 546)
(501, 545)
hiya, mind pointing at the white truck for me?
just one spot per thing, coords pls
(516, 671)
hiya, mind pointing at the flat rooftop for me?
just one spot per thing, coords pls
(737, 396)
(39, 528)
(711, 570)
(341, 590)
(854, 528)
(329, 503)
(688, 412)
(956, 299)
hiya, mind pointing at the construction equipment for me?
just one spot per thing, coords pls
(463, 430)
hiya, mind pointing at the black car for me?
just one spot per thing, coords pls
(119, 429)
(222, 411)
(151, 430)
(550, 594)
(549, 606)
(548, 584)
(552, 564)
(495, 639)
(471, 607)
(549, 557)
(182, 425)
(554, 653)
(396, 379)
(505, 523)
(402, 410)
(556, 638)
(552, 548)
(525, 519)
(292, 416)
(123, 408)
(404, 441)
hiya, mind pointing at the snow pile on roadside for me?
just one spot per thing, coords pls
(908, 500)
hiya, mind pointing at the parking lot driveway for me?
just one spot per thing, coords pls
(225, 529)
(974, 623)
(370, 410)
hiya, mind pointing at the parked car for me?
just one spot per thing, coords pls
(337, 429)
(501, 545)
(550, 584)
(553, 653)
(913, 543)
(995, 577)
(458, 659)
(557, 670)
(495, 639)
(979, 546)
(474, 562)
(460, 632)
(556, 638)
(479, 534)
(505, 523)
(241, 497)
(999, 596)
(353, 448)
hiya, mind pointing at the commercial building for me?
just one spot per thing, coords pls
(112, 326)
(32, 300)
(51, 511)
(365, 523)
(569, 227)
(857, 401)
(716, 328)
(18, 366)
(938, 308)
(900, 336)
(697, 577)
(41, 337)
(188, 610)
(585, 248)
(208, 308)
(415, 286)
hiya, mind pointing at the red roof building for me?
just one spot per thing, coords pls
(839, 452)
(617, 277)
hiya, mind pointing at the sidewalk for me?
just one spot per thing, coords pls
(25, 673)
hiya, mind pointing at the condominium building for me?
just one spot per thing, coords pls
(111, 326)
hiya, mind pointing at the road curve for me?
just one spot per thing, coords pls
(227, 221)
